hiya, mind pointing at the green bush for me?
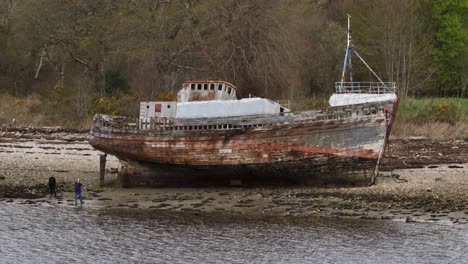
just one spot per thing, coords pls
(449, 110)
(125, 105)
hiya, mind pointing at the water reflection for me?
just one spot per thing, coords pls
(40, 234)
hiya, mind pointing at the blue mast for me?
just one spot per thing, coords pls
(347, 59)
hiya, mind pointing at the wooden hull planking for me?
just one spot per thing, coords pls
(301, 149)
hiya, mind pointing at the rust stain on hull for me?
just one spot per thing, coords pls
(316, 150)
(328, 145)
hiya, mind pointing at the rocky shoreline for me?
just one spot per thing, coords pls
(421, 181)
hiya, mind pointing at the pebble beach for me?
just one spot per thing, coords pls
(419, 182)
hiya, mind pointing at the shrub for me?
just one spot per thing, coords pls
(448, 110)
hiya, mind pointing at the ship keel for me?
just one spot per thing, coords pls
(317, 171)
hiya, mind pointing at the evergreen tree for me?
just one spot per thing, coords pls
(444, 21)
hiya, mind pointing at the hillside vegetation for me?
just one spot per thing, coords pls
(61, 61)
(435, 118)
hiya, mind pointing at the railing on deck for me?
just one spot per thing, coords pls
(133, 125)
(365, 87)
(120, 123)
(156, 123)
(116, 122)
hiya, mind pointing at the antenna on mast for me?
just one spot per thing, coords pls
(347, 58)
(349, 30)
(347, 61)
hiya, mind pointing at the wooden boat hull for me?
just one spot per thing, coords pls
(309, 150)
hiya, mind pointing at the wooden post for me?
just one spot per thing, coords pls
(102, 169)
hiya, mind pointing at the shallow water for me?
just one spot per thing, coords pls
(43, 234)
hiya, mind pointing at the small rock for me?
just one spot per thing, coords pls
(429, 190)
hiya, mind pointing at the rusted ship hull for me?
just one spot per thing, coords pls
(334, 145)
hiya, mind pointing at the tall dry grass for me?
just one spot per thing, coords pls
(21, 110)
(35, 111)
(433, 130)
(435, 118)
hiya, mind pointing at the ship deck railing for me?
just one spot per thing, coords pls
(365, 87)
(135, 125)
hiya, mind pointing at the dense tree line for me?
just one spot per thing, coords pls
(78, 51)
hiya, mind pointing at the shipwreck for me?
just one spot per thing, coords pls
(209, 134)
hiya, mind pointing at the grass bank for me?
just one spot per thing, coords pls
(435, 118)
(39, 111)
(57, 109)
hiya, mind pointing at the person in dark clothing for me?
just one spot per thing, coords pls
(52, 186)
(78, 187)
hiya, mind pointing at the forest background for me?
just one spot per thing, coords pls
(61, 61)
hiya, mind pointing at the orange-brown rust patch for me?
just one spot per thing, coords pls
(198, 96)
(311, 149)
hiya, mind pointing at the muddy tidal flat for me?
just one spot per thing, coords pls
(421, 181)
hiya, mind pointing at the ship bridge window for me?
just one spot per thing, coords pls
(212, 86)
(205, 86)
(199, 86)
(220, 87)
(229, 90)
(192, 86)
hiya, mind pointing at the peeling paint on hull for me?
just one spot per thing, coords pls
(297, 148)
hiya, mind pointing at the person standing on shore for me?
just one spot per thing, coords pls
(52, 186)
(78, 187)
